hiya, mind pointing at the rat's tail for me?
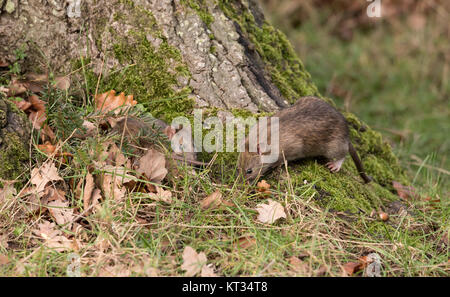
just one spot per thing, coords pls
(358, 163)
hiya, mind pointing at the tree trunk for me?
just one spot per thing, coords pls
(228, 67)
(197, 53)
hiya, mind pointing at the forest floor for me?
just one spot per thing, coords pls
(199, 223)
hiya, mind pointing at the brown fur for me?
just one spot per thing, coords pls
(309, 128)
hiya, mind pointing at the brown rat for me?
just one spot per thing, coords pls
(309, 128)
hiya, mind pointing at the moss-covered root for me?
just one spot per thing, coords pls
(14, 136)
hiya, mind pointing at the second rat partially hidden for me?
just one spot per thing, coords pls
(309, 128)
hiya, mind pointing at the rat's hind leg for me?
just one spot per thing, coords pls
(336, 153)
(335, 166)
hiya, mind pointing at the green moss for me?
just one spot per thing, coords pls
(3, 119)
(376, 155)
(13, 154)
(13, 149)
(148, 73)
(286, 69)
(202, 11)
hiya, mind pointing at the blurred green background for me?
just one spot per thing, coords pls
(393, 71)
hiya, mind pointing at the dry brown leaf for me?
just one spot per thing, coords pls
(121, 173)
(53, 194)
(32, 200)
(445, 239)
(36, 103)
(417, 21)
(269, 213)
(47, 133)
(43, 175)
(118, 270)
(16, 88)
(47, 148)
(53, 238)
(37, 115)
(7, 192)
(95, 200)
(263, 187)
(151, 271)
(34, 86)
(405, 192)
(62, 82)
(88, 189)
(298, 265)
(112, 188)
(112, 181)
(22, 105)
(352, 267)
(102, 244)
(35, 82)
(245, 242)
(4, 241)
(61, 212)
(212, 201)
(108, 102)
(115, 156)
(153, 166)
(4, 259)
(37, 118)
(208, 271)
(4, 90)
(3, 63)
(36, 78)
(90, 128)
(192, 261)
(321, 271)
(51, 149)
(161, 195)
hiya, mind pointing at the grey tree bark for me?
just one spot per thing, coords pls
(233, 76)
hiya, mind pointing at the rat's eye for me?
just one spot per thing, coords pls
(249, 171)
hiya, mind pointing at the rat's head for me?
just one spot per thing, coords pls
(250, 165)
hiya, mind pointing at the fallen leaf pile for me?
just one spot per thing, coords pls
(53, 238)
(112, 175)
(33, 106)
